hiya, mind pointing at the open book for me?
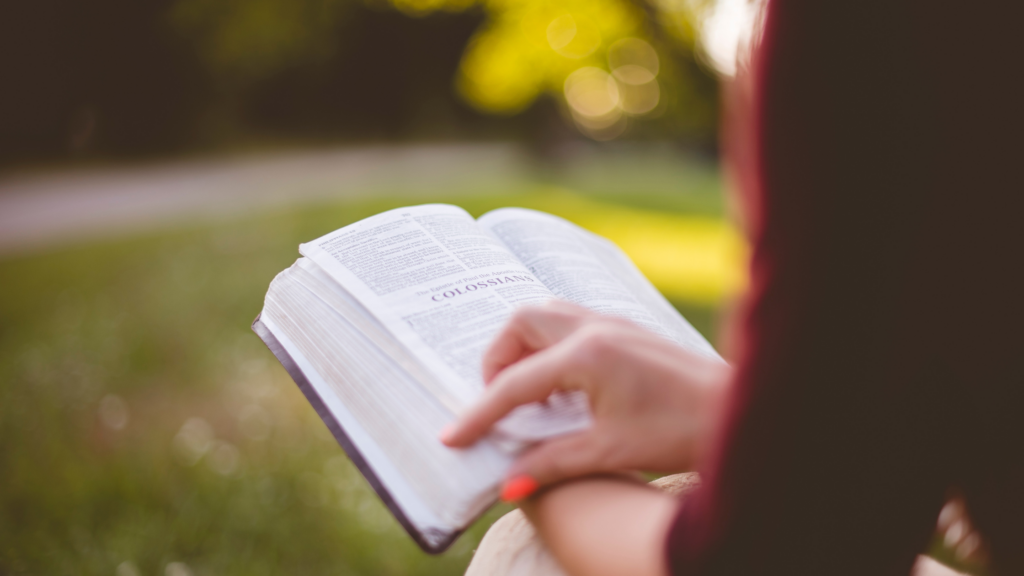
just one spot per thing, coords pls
(383, 324)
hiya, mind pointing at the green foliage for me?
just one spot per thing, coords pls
(523, 50)
(530, 47)
(425, 7)
(246, 40)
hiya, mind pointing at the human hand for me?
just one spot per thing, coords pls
(653, 402)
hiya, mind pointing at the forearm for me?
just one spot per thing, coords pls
(604, 525)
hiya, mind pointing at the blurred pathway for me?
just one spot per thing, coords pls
(43, 210)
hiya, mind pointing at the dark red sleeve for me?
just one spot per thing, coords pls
(882, 360)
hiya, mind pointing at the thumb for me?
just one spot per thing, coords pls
(555, 460)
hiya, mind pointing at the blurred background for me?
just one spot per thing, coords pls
(161, 160)
(107, 80)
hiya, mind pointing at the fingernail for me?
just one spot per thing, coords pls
(446, 433)
(518, 487)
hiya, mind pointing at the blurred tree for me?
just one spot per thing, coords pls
(247, 40)
(116, 78)
(602, 58)
(523, 49)
(80, 76)
(528, 47)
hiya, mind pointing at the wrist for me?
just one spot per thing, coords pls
(552, 495)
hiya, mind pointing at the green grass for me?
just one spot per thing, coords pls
(161, 321)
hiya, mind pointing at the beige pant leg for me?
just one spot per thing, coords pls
(512, 548)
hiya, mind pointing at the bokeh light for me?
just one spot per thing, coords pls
(127, 568)
(177, 569)
(635, 65)
(592, 92)
(193, 441)
(113, 412)
(565, 49)
(530, 48)
(633, 61)
(593, 97)
(599, 101)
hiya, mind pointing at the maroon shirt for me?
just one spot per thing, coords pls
(882, 359)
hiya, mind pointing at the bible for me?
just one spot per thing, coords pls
(383, 324)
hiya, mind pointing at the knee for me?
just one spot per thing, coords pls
(512, 547)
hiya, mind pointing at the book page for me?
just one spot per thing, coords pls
(586, 269)
(400, 419)
(443, 288)
(342, 302)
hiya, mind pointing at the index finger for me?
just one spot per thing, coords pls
(530, 329)
(530, 380)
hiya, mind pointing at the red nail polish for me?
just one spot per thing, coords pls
(517, 488)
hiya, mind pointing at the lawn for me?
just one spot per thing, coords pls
(145, 430)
